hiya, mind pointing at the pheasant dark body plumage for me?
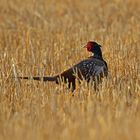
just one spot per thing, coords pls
(93, 68)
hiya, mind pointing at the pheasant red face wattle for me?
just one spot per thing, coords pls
(89, 46)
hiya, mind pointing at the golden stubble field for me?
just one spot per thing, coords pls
(40, 37)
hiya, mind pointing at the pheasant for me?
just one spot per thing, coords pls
(93, 68)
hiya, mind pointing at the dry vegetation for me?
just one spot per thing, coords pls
(40, 37)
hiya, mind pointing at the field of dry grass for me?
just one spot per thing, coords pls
(39, 37)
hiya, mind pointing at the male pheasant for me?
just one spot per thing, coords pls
(93, 68)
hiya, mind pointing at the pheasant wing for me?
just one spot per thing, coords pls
(90, 68)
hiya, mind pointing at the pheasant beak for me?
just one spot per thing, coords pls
(85, 47)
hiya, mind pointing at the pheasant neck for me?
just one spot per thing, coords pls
(98, 54)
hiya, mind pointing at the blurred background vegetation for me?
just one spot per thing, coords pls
(39, 37)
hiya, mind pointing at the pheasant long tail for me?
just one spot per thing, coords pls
(52, 79)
